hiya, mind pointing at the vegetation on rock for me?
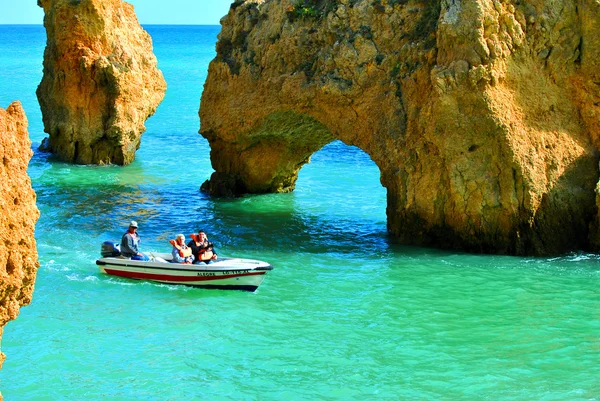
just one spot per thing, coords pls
(482, 116)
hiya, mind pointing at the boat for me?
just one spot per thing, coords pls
(222, 273)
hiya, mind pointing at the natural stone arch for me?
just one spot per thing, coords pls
(480, 115)
(269, 157)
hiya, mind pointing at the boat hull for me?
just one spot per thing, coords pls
(226, 273)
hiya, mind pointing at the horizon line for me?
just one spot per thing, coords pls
(161, 24)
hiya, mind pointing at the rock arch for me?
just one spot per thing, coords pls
(269, 157)
(481, 115)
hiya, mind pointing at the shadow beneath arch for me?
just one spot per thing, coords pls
(338, 206)
(238, 224)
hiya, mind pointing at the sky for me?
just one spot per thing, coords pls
(168, 12)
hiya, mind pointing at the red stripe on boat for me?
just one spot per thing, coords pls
(180, 279)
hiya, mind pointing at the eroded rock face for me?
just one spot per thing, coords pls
(482, 116)
(18, 252)
(101, 81)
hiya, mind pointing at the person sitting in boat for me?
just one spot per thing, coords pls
(202, 249)
(181, 252)
(130, 243)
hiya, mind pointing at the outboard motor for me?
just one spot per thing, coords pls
(109, 249)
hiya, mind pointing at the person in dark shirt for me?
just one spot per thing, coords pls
(202, 249)
(130, 243)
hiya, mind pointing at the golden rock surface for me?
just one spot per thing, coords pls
(18, 252)
(483, 116)
(101, 81)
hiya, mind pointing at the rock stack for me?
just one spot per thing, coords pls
(101, 81)
(18, 253)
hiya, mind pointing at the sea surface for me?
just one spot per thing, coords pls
(345, 315)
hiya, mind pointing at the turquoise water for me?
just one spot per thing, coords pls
(345, 315)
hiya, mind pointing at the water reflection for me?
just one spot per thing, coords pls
(280, 222)
(102, 199)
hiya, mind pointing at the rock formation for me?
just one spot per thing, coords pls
(18, 253)
(482, 115)
(101, 81)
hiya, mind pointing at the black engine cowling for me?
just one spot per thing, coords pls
(109, 249)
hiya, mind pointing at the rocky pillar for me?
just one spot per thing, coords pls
(101, 81)
(18, 253)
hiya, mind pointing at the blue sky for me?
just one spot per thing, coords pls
(192, 12)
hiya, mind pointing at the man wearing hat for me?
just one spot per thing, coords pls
(130, 242)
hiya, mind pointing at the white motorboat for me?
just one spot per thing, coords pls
(222, 273)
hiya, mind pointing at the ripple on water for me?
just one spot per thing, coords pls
(345, 314)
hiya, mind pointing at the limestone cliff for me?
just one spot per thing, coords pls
(101, 81)
(18, 253)
(482, 115)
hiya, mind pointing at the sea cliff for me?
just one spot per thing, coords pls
(482, 116)
(18, 253)
(101, 81)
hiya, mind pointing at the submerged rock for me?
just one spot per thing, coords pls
(482, 116)
(101, 81)
(18, 253)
